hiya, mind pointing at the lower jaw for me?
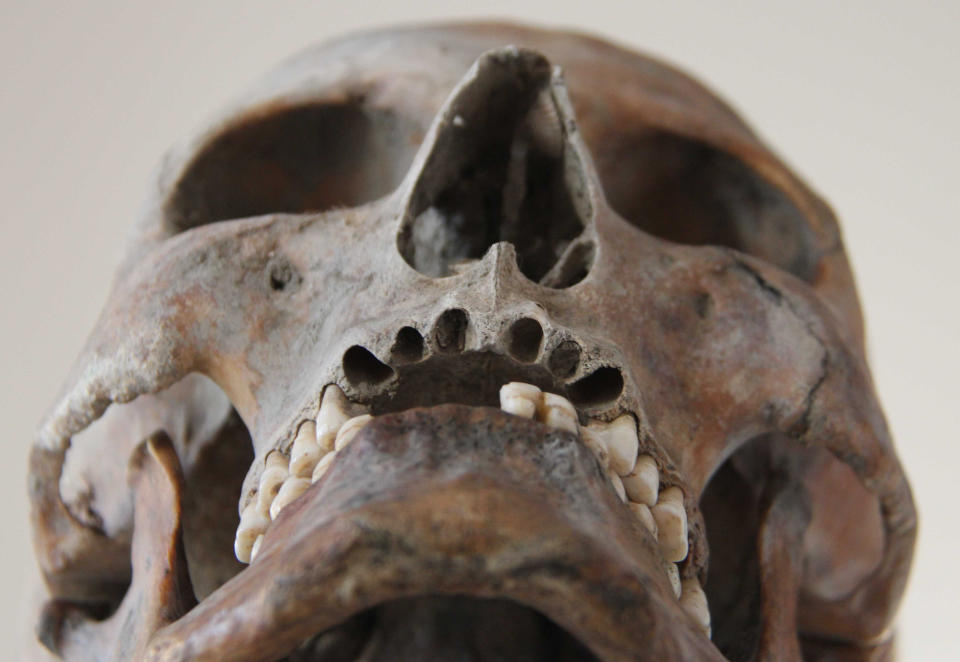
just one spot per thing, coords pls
(468, 508)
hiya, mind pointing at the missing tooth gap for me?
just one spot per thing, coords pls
(526, 336)
(361, 367)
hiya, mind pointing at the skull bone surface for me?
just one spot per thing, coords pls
(474, 342)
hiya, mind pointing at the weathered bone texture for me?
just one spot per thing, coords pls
(421, 216)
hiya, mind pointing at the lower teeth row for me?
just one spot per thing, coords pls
(634, 478)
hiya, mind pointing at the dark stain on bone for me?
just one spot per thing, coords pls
(564, 359)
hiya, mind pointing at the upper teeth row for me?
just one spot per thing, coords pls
(634, 477)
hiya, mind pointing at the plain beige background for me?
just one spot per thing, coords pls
(862, 98)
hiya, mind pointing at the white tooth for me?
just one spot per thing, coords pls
(673, 574)
(333, 414)
(350, 429)
(322, 466)
(672, 524)
(642, 511)
(520, 399)
(643, 483)
(622, 444)
(305, 452)
(594, 442)
(618, 486)
(256, 547)
(252, 524)
(694, 601)
(556, 411)
(276, 471)
(292, 488)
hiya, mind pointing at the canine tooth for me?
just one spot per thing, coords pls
(305, 452)
(271, 479)
(556, 411)
(322, 466)
(643, 483)
(617, 486)
(673, 574)
(520, 399)
(671, 521)
(694, 601)
(595, 443)
(292, 488)
(642, 511)
(350, 429)
(333, 414)
(252, 524)
(622, 444)
(256, 547)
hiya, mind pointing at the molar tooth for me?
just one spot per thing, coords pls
(256, 548)
(252, 524)
(694, 601)
(556, 411)
(673, 574)
(305, 452)
(333, 414)
(292, 488)
(350, 429)
(271, 479)
(520, 399)
(322, 466)
(642, 511)
(671, 521)
(643, 483)
(618, 486)
(622, 443)
(594, 442)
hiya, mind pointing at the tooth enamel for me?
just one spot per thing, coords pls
(332, 415)
(673, 574)
(643, 483)
(252, 524)
(292, 488)
(350, 429)
(671, 521)
(305, 452)
(322, 466)
(694, 601)
(618, 486)
(556, 411)
(520, 399)
(594, 442)
(276, 471)
(621, 438)
(256, 547)
(642, 511)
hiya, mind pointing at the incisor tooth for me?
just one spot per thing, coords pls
(333, 414)
(595, 443)
(694, 601)
(556, 411)
(256, 548)
(618, 486)
(350, 429)
(322, 466)
(671, 521)
(276, 471)
(305, 452)
(643, 483)
(621, 436)
(673, 574)
(520, 399)
(252, 524)
(292, 488)
(642, 511)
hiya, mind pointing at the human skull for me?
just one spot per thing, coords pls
(478, 341)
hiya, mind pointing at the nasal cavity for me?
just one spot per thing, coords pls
(501, 169)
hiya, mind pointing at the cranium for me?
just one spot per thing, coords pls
(480, 342)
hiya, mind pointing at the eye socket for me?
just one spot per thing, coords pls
(296, 159)
(688, 192)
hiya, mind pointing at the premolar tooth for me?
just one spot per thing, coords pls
(322, 466)
(673, 574)
(350, 429)
(520, 399)
(256, 548)
(276, 471)
(253, 523)
(671, 521)
(694, 601)
(332, 415)
(305, 452)
(292, 488)
(622, 443)
(643, 483)
(618, 486)
(556, 411)
(642, 511)
(595, 443)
